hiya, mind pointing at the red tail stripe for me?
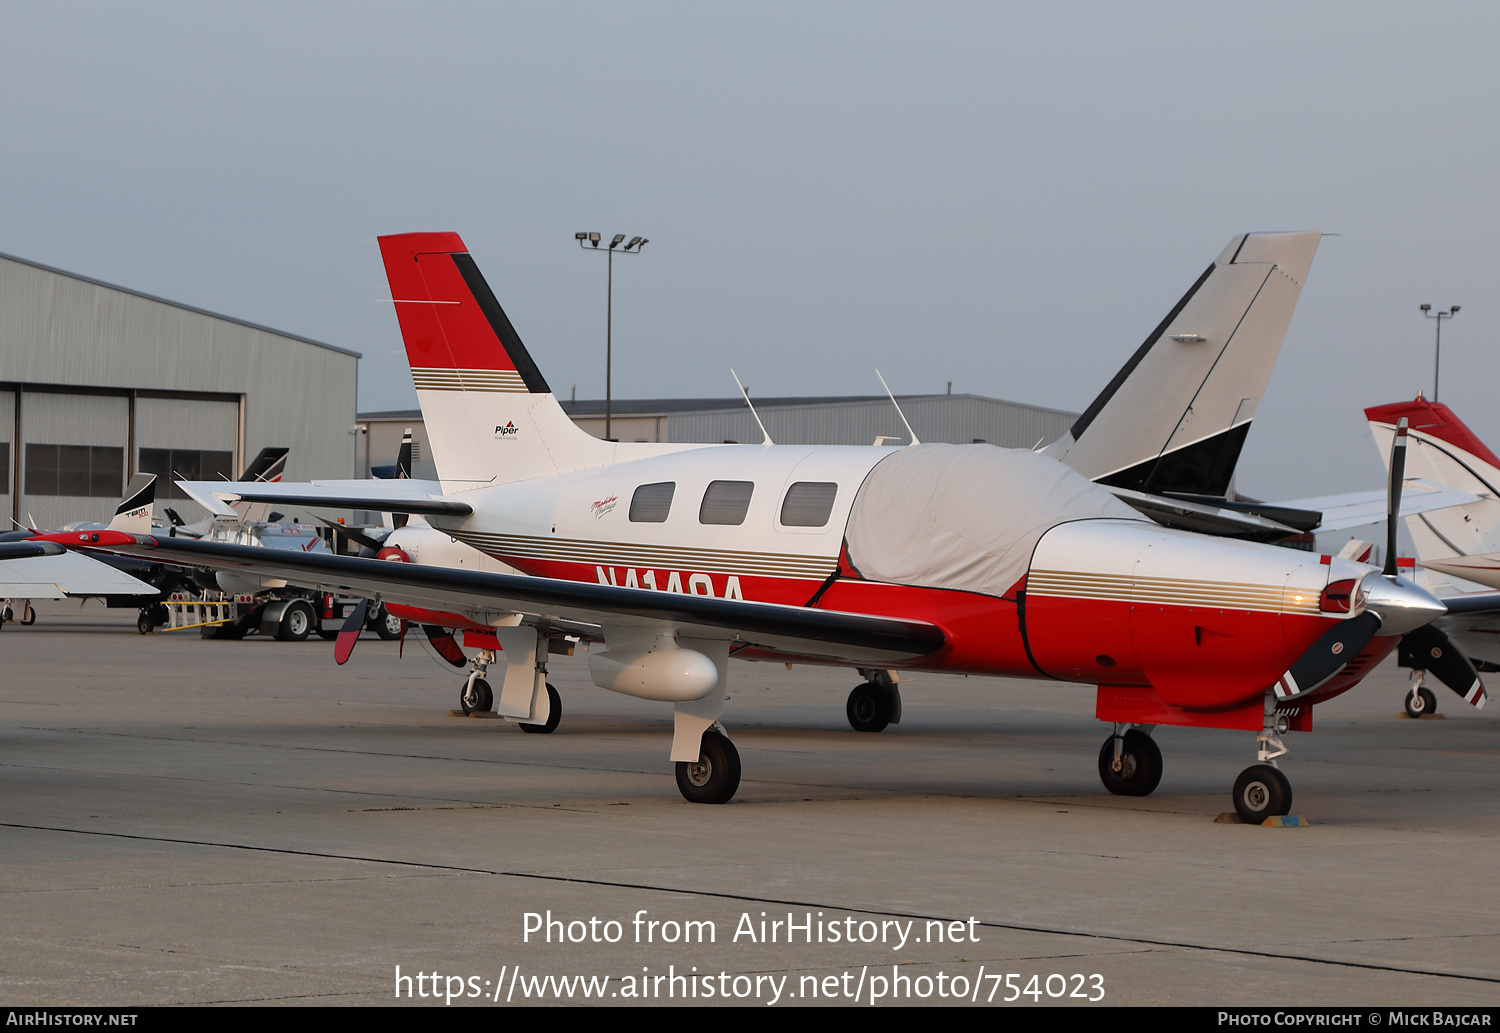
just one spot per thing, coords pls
(425, 283)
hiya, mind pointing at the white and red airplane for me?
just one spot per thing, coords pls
(1164, 435)
(1457, 547)
(954, 558)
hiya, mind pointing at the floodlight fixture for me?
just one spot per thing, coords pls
(1437, 347)
(633, 248)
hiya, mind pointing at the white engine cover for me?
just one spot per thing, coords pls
(659, 669)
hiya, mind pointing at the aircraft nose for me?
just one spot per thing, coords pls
(1401, 605)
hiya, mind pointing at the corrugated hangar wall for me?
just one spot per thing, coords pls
(98, 382)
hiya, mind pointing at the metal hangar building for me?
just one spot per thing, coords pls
(833, 420)
(98, 382)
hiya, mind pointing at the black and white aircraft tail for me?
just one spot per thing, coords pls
(1173, 420)
(133, 515)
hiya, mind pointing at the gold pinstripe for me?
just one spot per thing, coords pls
(664, 557)
(507, 381)
(1171, 591)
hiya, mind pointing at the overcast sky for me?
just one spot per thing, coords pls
(1006, 196)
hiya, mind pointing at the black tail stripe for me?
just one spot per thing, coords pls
(500, 323)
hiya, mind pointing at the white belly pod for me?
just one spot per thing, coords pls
(654, 668)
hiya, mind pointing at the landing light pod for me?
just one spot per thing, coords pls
(659, 669)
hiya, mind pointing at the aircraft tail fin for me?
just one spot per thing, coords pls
(133, 515)
(1175, 417)
(268, 465)
(1442, 449)
(489, 414)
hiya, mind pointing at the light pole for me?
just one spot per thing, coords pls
(1437, 351)
(589, 241)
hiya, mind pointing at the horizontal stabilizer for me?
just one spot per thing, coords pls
(1356, 509)
(1205, 518)
(398, 496)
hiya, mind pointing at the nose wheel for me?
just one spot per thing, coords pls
(1262, 792)
(1420, 702)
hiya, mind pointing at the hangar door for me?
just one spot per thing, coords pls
(190, 439)
(72, 457)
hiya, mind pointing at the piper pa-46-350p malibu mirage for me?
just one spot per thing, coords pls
(951, 558)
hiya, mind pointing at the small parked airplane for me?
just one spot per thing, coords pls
(1164, 435)
(1457, 546)
(953, 558)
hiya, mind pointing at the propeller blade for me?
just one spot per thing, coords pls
(1327, 656)
(401, 641)
(1430, 649)
(1393, 496)
(447, 646)
(349, 633)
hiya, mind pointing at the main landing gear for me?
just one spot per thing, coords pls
(874, 703)
(8, 613)
(476, 696)
(1130, 761)
(715, 775)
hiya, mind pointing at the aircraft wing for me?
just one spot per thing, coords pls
(393, 496)
(42, 570)
(1369, 507)
(573, 607)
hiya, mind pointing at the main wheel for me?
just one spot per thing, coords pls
(476, 695)
(386, 625)
(1261, 792)
(870, 707)
(554, 714)
(1139, 771)
(28, 616)
(1420, 702)
(715, 775)
(143, 623)
(297, 622)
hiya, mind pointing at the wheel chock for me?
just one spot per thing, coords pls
(1280, 821)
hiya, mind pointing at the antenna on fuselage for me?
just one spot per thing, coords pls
(746, 395)
(897, 404)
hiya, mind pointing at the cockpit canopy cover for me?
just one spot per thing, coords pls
(965, 517)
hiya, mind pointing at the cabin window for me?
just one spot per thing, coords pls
(808, 504)
(726, 502)
(652, 502)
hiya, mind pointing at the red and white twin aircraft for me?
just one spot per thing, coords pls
(669, 559)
